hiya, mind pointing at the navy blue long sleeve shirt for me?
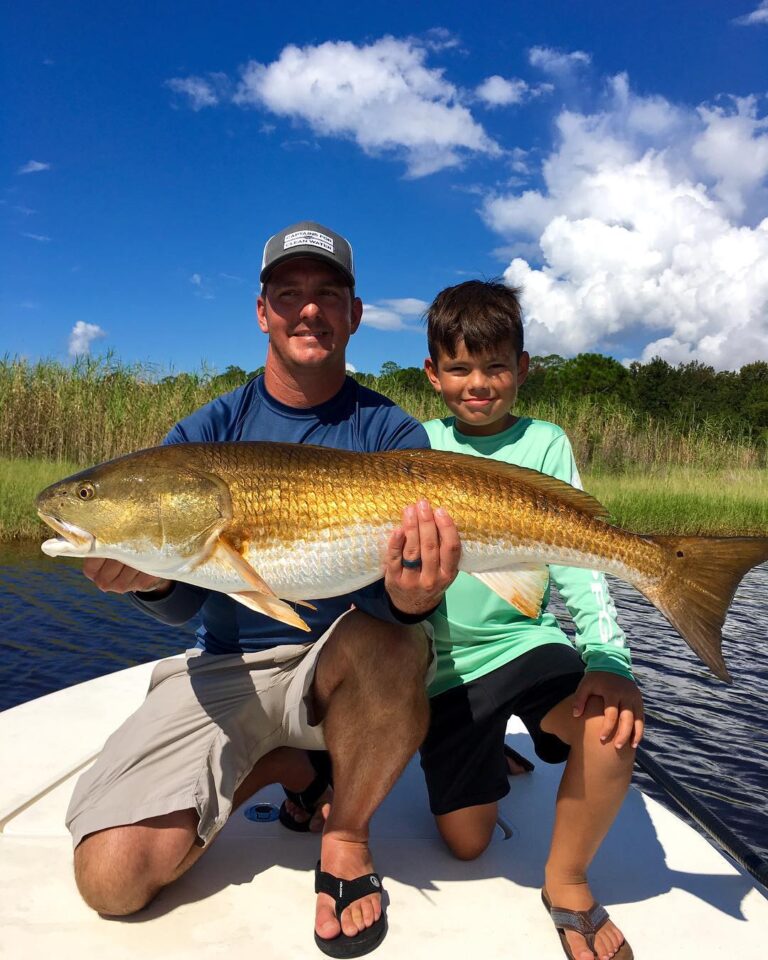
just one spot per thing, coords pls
(355, 419)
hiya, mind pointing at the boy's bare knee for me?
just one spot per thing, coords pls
(561, 723)
(468, 848)
(468, 832)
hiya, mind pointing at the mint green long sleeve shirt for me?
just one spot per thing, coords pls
(475, 630)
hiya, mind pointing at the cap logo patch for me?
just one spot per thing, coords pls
(309, 238)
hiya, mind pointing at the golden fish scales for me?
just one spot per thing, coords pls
(280, 491)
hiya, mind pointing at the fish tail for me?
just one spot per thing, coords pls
(696, 591)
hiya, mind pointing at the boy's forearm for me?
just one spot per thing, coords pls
(599, 639)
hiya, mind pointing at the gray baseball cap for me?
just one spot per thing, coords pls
(308, 239)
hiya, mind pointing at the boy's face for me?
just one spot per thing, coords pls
(480, 389)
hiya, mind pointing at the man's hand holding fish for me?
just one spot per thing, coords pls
(422, 558)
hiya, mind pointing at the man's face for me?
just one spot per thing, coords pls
(309, 314)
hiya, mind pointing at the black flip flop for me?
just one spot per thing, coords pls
(345, 892)
(524, 762)
(308, 798)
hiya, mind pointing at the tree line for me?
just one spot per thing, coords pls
(686, 393)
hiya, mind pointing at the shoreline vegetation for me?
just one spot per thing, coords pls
(671, 473)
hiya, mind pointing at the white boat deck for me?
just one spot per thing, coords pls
(251, 896)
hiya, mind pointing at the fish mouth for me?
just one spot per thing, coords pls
(69, 537)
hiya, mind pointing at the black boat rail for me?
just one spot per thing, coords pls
(705, 817)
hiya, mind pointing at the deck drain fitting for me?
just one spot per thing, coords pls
(262, 812)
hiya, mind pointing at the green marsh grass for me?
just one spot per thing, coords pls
(654, 475)
(93, 410)
(20, 481)
(680, 500)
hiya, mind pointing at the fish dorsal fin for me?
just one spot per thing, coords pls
(271, 607)
(522, 586)
(426, 464)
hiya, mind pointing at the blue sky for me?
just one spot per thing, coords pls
(610, 157)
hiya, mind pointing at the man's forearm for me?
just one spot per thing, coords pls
(174, 605)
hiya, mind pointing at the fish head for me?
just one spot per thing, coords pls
(153, 510)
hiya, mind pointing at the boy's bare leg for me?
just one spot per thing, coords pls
(120, 870)
(593, 786)
(369, 690)
(592, 789)
(468, 831)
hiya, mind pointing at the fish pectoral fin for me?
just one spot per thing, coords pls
(229, 554)
(521, 586)
(271, 607)
(226, 552)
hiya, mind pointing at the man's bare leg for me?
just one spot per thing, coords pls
(592, 789)
(120, 870)
(369, 690)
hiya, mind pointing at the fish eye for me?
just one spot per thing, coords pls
(86, 491)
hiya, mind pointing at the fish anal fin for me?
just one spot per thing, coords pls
(235, 559)
(522, 586)
(271, 607)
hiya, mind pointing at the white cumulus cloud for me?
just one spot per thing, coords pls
(383, 96)
(33, 166)
(200, 92)
(496, 91)
(82, 336)
(758, 15)
(557, 62)
(652, 222)
(395, 314)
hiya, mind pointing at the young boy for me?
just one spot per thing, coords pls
(493, 662)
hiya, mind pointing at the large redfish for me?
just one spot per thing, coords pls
(272, 522)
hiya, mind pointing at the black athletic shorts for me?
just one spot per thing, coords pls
(463, 754)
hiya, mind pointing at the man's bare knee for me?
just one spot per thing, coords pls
(108, 873)
(374, 650)
(403, 647)
(120, 870)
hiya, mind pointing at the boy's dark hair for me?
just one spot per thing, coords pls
(482, 313)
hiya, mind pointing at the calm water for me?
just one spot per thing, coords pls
(56, 629)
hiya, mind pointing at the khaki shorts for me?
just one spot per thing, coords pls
(205, 722)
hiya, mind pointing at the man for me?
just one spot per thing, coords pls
(254, 696)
